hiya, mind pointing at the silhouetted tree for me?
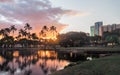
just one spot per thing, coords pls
(53, 31)
(23, 33)
(13, 29)
(73, 39)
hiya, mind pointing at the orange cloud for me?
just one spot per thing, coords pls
(35, 12)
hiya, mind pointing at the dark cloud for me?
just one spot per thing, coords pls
(35, 12)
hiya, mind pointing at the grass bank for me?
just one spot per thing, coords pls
(102, 66)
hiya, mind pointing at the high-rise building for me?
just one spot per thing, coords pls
(97, 27)
(92, 29)
(100, 31)
(110, 28)
(117, 26)
(113, 26)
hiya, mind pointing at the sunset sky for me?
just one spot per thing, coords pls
(66, 15)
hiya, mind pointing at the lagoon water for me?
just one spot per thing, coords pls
(40, 62)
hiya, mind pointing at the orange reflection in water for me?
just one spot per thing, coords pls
(47, 54)
(16, 53)
(1, 59)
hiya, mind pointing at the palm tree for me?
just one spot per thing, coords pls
(13, 29)
(29, 35)
(23, 33)
(7, 31)
(8, 41)
(42, 34)
(34, 36)
(45, 28)
(44, 31)
(2, 32)
(53, 31)
(27, 27)
(53, 28)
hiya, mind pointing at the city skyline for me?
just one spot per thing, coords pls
(99, 28)
(66, 16)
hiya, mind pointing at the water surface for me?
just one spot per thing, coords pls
(39, 62)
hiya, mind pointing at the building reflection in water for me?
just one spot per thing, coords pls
(30, 63)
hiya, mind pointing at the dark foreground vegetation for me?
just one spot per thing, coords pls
(26, 38)
(102, 66)
(49, 37)
(81, 39)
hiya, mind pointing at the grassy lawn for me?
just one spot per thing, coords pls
(102, 66)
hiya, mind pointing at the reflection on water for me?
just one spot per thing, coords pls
(16, 53)
(30, 62)
(47, 54)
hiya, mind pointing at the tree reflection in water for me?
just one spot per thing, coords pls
(30, 63)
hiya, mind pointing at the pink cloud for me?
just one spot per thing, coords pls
(6, 0)
(35, 12)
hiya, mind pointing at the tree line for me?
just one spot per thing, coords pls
(25, 38)
(80, 39)
(49, 37)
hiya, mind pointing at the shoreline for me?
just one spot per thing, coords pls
(67, 49)
(94, 67)
(73, 50)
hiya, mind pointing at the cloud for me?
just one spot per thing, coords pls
(35, 12)
(6, 0)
